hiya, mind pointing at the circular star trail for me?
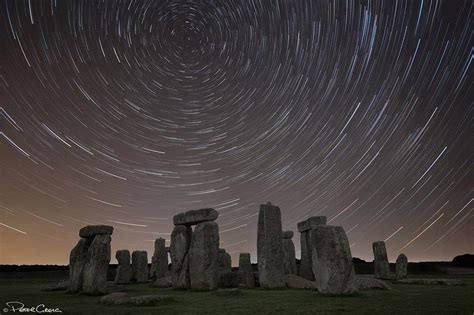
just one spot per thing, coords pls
(128, 112)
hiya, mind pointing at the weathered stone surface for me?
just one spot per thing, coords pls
(121, 298)
(77, 262)
(92, 230)
(287, 234)
(97, 263)
(203, 265)
(147, 300)
(179, 247)
(332, 260)
(256, 278)
(289, 259)
(245, 270)
(113, 287)
(224, 261)
(401, 267)
(140, 266)
(270, 248)
(113, 298)
(193, 217)
(311, 223)
(123, 273)
(297, 282)
(381, 266)
(427, 281)
(306, 264)
(230, 279)
(58, 286)
(159, 260)
(165, 282)
(369, 282)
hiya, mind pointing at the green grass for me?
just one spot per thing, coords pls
(403, 299)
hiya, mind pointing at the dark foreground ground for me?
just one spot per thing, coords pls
(402, 299)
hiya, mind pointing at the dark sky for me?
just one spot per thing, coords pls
(128, 112)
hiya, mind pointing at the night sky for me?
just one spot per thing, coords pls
(128, 112)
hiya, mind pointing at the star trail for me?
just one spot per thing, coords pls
(128, 112)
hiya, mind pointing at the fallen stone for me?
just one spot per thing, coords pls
(332, 260)
(115, 298)
(245, 270)
(369, 282)
(123, 273)
(401, 267)
(120, 298)
(381, 266)
(194, 217)
(297, 282)
(311, 223)
(92, 230)
(77, 262)
(140, 266)
(58, 286)
(203, 251)
(147, 300)
(270, 248)
(426, 281)
(179, 247)
(97, 263)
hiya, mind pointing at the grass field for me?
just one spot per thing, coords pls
(403, 299)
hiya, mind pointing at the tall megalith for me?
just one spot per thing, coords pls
(270, 248)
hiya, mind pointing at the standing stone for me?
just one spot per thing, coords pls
(401, 267)
(287, 234)
(270, 248)
(306, 265)
(159, 260)
(179, 247)
(381, 266)
(77, 261)
(140, 266)
(224, 261)
(203, 251)
(194, 217)
(332, 260)
(289, 258)
(97, 263)
(124, 270)
(305, 227)
(245, 270)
